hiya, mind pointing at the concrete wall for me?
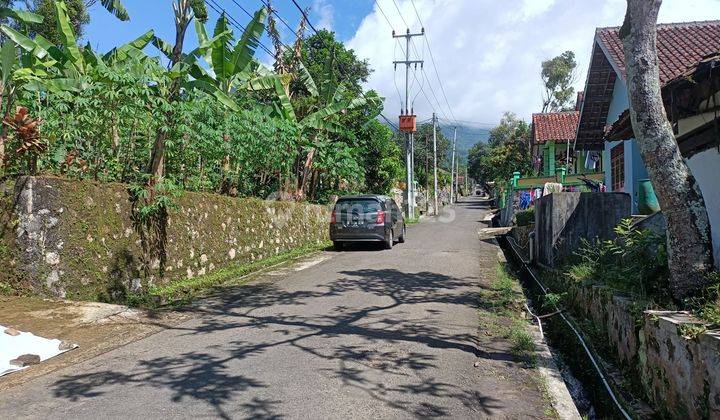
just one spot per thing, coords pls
(562, 220)
(678, 376)
(78, 239)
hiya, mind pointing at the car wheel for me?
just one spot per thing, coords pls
(390, 240)
(401, 239)
(338, 246)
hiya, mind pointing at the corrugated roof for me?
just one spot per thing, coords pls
(556, 126)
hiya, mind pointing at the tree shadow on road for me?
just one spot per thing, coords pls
(294, 321)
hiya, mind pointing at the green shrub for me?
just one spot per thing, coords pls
(525, 217)
(634, 262)
(707, 306)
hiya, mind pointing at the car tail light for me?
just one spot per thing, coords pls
(333, 218)
(380, 218)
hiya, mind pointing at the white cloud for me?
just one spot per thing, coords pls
(488, 53)
(325, 14)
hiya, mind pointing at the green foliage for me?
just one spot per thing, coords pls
(635, 262)
(156, 201)
(522, 344)
(232, 129)
(707, 306)
(525, 217)
(77, 13)
(424, 154)
(382, 158)
(558, 75)
(506, 152)
(553, 300)
(504, 288)
(320, 49)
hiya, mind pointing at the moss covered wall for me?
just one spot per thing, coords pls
(679, 376)
(77, 239)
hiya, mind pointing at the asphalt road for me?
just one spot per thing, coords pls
(366, 333)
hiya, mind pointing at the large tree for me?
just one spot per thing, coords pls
(382, 158)
(689, 244)
(505, 152)
(77, 12)
(558, 75)
(322, 48)
(424, 153)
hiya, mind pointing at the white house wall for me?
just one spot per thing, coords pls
(705, 166)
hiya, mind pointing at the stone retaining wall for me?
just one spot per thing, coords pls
(77, 239)
(679, 376)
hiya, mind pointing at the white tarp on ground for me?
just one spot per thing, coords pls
(12, 347)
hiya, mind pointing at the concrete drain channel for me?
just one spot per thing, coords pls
(583, 372)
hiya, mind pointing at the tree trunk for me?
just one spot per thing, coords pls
(305, 173)
(689, 242)
(157, 157)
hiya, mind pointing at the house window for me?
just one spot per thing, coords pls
(617, 167)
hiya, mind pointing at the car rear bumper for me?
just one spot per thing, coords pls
(364, 234)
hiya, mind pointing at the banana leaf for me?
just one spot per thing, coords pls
(116, 8)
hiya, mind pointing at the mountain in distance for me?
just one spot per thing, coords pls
(467, 136)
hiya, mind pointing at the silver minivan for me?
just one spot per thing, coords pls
(363, 218)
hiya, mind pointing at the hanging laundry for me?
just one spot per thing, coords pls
(592, 160)
(551, 187)
(525, 200)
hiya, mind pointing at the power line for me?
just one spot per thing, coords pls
(234, 22)
(267, 4)
(307, 19)
(422, 90)
(401, 15)
(340, 67)
(432, 59)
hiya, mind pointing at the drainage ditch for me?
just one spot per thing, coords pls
(582, 372)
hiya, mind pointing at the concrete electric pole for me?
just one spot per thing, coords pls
(457, 178)
(409, 140)
(435, 182)
(452, 169)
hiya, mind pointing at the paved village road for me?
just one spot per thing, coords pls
(366, 333)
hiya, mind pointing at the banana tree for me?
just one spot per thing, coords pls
(330, 101)
(8, 65)
(113, 6)
(47, 68)
(185, 11)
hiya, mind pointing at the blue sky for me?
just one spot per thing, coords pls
(105, 31)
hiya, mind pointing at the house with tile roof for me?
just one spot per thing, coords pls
(692, 104)
(680, 46)
(552, 137)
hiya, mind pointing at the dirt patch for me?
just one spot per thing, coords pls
(96, 328)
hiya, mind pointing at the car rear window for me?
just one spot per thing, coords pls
(358, 206)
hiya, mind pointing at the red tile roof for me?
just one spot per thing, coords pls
(679, 45)
(556, 126)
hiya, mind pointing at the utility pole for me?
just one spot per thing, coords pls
(457, 178)
(435, 182)
(452, 168)
(427, 176)
(409, 139)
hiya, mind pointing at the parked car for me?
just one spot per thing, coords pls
(364, 218)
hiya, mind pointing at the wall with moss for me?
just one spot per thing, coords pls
(677, 370)
(78, 239)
